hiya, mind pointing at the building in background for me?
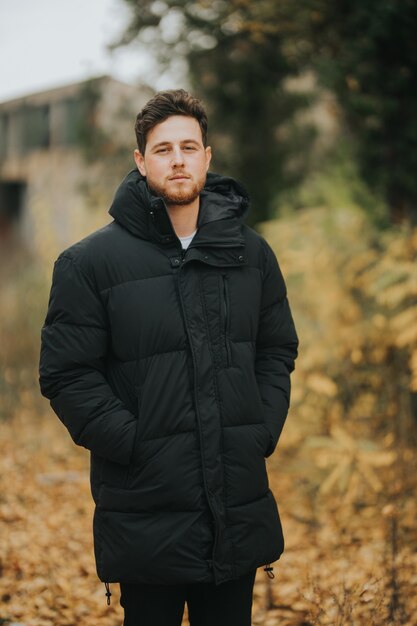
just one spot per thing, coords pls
(62, 152)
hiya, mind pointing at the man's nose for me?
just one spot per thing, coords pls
(177, 156)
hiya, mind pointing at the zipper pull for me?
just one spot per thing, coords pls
(269, 570)
(108, 593)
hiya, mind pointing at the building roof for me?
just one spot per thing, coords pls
(64, 91)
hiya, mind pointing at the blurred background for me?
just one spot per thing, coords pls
(312, 106)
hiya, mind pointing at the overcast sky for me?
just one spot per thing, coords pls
(48, 43)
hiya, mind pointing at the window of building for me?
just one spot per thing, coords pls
(69, 129)
(12, 196)
(4, 133)
(35, 127)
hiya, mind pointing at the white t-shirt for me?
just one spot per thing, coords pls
(185, 241)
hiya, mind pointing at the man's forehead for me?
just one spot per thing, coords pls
(177, 128)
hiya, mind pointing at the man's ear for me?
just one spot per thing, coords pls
(208, 157)
(140, 162)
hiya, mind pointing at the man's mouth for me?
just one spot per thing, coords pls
(179, 177)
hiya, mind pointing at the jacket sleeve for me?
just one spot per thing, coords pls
(276, 349)
(74, 342)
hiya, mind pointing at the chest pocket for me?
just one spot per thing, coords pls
(215, 293)
(231, 298)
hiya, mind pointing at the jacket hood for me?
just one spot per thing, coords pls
(144, 214)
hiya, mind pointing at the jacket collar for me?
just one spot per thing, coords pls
(223, 205)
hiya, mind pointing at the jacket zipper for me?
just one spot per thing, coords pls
(207, 491)
(226, 319)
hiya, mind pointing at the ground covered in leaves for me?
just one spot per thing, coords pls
(347, 560)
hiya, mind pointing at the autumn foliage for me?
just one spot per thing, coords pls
(344, 474)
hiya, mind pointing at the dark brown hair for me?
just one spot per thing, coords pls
(164, 104)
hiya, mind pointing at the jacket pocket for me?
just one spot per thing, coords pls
(134, 455)
(269, 444)
(113, 474)
(226, 319)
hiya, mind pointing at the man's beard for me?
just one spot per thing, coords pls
(180, 197)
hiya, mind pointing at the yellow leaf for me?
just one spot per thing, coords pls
(343, 437)
(407, 337)
(404, 318)
(322, 385)
(377, 459)
(333, 477)
(370, 477)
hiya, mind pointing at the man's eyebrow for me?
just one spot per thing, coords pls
(161, 143)
(169, 143)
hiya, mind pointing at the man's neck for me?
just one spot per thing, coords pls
(184, 217)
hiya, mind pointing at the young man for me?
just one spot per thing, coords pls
(167, 351)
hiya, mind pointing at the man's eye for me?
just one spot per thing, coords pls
(189, 148)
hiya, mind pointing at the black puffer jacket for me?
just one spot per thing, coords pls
(173, 369)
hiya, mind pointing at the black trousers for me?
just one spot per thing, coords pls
(227, 604)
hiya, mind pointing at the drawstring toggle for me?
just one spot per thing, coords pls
(269, 570)
(108, 593)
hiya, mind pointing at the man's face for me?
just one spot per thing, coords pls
(175, 162)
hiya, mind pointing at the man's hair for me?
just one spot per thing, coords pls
(164, 104)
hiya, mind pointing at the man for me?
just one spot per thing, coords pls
(167, 351)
